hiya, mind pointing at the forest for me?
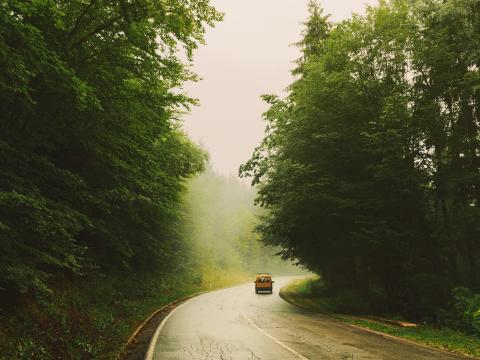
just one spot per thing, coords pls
(92, 153)
(368, 173)
(370, 165)
(103, 208)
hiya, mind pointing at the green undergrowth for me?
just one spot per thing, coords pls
(93, 318)
(306, 293)
(442, 338)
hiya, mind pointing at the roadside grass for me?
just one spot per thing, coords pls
(307, 294)
(96, 317)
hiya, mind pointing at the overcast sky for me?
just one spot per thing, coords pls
(247, 55)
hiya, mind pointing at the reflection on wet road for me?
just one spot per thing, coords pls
(236, 323)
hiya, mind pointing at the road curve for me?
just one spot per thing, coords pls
(236, 323)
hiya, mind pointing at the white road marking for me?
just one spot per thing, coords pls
(275, 340)
(153, 341)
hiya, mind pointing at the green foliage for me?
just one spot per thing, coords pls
(90, 319)
(93, 158)
(464, 312)
(444, 338)
(312, 294)
(369, 167)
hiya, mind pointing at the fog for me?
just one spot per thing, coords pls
(248, 54)
(220, 219)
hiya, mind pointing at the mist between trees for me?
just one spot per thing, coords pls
(370, 167)
(220, 228)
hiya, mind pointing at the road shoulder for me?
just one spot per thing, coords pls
(446, 341)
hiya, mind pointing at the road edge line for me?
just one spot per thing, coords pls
(156, 335)
(156, 312)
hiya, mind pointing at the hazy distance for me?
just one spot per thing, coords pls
(249, 54)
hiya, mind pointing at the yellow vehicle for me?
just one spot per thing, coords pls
(263, 282)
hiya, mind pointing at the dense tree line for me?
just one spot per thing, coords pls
(92, 157)
(370, 167)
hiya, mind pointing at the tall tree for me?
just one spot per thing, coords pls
(316, 30)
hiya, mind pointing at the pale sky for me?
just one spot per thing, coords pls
(247, 55)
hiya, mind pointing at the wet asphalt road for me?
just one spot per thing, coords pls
(236, 323)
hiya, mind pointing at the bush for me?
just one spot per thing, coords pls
(464, 312)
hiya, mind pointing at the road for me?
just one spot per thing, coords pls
(236, 323)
